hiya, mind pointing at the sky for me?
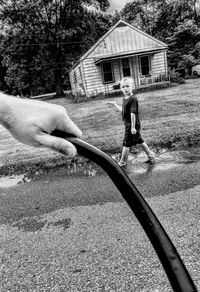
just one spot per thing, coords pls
(117, 4)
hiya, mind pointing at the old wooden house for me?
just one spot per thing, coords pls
(123, 51)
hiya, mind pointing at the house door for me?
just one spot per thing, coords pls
(144, 65)
(126, 72)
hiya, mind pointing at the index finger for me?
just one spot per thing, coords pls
(69, 127)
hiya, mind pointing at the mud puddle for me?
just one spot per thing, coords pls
(11, 181)
(165, 160)
(85, 168)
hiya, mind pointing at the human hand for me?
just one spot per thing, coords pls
(111, 102)
(133, 130)
(32, 122)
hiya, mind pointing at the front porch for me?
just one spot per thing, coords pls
(153, 79)
(147, 70)
(158, 79)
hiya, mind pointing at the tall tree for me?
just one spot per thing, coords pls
(184, 42)
(158, 17)
(143, 14)
(43, 37)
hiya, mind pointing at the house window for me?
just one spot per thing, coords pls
(126, 67)
(107, 72)
(144, 65)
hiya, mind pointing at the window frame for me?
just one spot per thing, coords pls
(123, 67)
(103, 72)
(149, 64)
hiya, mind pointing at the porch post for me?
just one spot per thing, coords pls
(120, 73)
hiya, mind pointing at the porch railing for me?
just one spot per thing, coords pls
(154, 79)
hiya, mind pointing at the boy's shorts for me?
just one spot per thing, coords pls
(131, 139)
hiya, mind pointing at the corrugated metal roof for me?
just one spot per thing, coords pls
(99, 59)
(122, 24)
(123, 41)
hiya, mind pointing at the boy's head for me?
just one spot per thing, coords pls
(127, 85)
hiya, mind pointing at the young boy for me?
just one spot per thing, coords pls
(130, 117)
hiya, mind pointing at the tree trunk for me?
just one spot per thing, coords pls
(59, 60)
(195, 11)
(58, 82)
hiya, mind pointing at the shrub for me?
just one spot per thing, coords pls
(175, 76)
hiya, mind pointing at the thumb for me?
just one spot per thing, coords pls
(57, 144)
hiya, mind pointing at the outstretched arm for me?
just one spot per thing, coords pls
(116, 105)
(32, 122)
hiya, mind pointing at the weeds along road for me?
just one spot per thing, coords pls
(70, 229)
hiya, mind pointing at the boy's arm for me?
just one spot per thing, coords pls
(116, 105)
(133, 130)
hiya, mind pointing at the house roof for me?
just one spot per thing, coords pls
(99, 59)
(154, 43)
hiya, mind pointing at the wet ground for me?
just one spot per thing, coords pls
(69, 229)
(136, 167)
(83, 183)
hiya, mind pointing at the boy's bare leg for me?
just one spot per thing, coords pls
(124, 155)
(146, 149)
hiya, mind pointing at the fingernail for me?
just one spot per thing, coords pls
(80, 134)
(71, 152)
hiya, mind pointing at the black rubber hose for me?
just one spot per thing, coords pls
(174, 267)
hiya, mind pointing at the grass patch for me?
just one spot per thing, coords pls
(170, 117)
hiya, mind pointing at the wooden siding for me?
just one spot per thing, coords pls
(135, 69)
(124, 39)
(71, 81)
(120, 41)
(158, 63)
(77, 80)
(93, 78)
(117, 70)
(93, 73)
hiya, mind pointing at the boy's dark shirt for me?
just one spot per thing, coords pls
(130, 105)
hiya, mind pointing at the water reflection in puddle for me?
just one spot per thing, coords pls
(157, 167)
(10, 181)
(82, 167)
(165, 161)
(145, 168)
(166, 166)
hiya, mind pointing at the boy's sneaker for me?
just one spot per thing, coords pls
(122, 163)
(151, 160)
